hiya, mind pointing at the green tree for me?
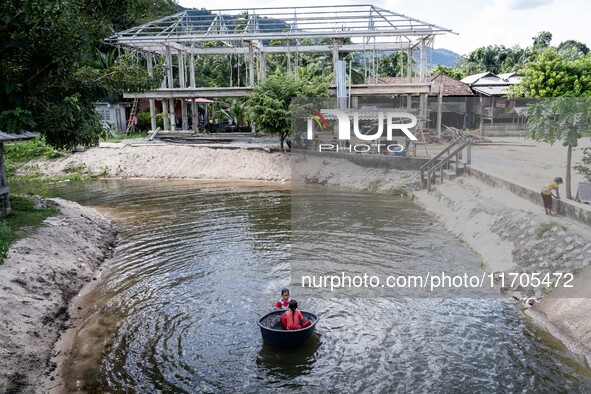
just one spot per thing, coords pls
(270, 103)
(563, 89)
(48, 54)
(238, 111)
(563, 119)
(572, 50)
(542, 41)
(584, 168)
(551, 75)
(494, 58)
(451, 72)
(394, 64)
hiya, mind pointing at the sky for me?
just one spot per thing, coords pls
(477, 22)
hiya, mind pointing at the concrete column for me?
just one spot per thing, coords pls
(409, 65)
(262, 66)
(192, 70)
(251, 64)
(171, 104)
(194, 117)
(165, 115)
(184, 115)
(335, 58)
(154, 124)
(423, 61)
(169, 71)
(149, 60)
(181, 62)
(439, 109)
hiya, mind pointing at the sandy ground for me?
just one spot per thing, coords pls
(528, 163)
(37, 281)
(171, 161)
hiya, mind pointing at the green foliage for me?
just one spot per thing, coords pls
(16, 120)
(584, 168)
(494, 58)
(126, 73)
(542, 41)
(238, 112)
(144, 121)
(28, 150)
(49, 76)
(572, 50)
(559, 119)
(394, 64)
(543, 228)
(451, 72)
(563, 119)
(23, 219)
(18, 153)
(270, 103)
(551, 75)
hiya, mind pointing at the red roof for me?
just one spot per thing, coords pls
(451, 87)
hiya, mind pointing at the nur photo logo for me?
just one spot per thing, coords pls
(393, 121)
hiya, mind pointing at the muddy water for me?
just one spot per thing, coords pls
(198, 263)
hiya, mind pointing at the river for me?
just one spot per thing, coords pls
(198, 263)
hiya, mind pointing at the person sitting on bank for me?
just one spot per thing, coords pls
(547, 194)
(293, 318)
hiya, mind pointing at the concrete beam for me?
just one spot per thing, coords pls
(356, 90)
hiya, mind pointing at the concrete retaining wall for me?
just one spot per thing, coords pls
(374, 161)
(568, 208)
(503, 129)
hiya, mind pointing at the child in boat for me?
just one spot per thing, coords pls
(293, 319)
(283, 303)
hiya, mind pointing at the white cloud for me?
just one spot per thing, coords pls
(527, 4)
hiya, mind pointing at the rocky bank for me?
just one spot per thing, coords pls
(513, 235)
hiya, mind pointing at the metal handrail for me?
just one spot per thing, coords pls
(457, 153)
(427, 166)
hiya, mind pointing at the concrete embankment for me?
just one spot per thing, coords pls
(41, 275)
(512, 235)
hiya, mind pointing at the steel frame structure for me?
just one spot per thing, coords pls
(256, 32)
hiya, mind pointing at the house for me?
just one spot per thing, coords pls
(456, 98)
(492, 102)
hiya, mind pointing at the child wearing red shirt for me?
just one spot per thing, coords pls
(293, 319)
(283, 303)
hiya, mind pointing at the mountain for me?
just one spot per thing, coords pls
(445, 57)
(442, 56)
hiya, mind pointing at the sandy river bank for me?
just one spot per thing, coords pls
(42, 273)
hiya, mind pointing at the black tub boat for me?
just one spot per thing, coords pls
(275, 335)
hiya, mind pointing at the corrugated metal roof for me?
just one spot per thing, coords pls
(490, 79)
(492, 90)
(470, 79)
(6, 137)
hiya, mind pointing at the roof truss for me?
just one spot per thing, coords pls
(279, 30)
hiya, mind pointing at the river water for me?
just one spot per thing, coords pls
(198, 263)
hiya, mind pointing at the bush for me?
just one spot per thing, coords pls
(28, 150)
(144, 121)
